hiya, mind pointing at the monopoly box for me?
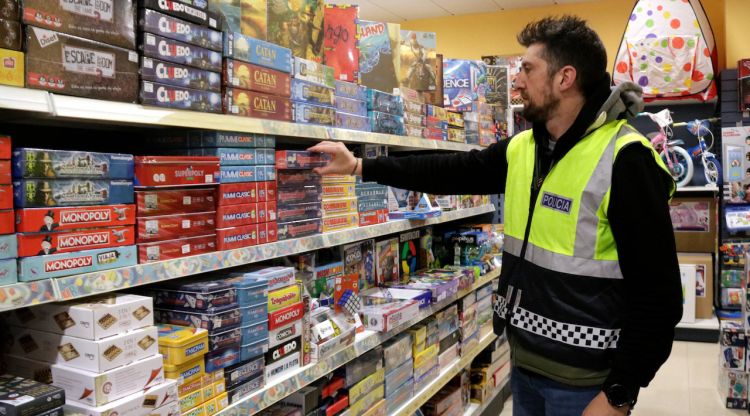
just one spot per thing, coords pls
(314, 72)
(352, 122)
(172, 249)
(65, 264)
(308, 92)
(38, 244)
(237, 237)
(181, 98)
(170, 227)
(168, 201)
(251, 77)
(168, 26)
(169, 73)
(171, 50)
(255, 104)
(30, 220)
(61, 164)
(153, 171)
(285, 316)
(258, 52)
(190, 12)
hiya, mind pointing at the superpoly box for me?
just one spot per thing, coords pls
(75, 66)
(65, 264)
(237, 237)
(36, 244)
(251, 77)
(96, 356)
(12, 71)
(181, 10)
(151, 171)
(258, 52)
(178, 201)
(352, 122)
(236, 215)
(170, 227)
(305, 91)
(147, 402)
(98, 389)
(171, 50)
(170, 73)
(172, 249)
(313, 114)
(21, 397)
(314, 72)
(168, 26)
(181, 98)
(29, 193)
(95, 318)
(31, 220)
(61, 164)
(256, 104)
(299, 159)
(107, 21)
(238, 193)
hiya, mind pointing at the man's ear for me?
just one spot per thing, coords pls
(567, 77)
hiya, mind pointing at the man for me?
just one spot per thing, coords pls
(590, 290)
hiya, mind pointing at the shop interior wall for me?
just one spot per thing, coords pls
(474, 35)
(737, 17)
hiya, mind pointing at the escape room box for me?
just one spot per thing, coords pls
(169, 73)
(153, 171)
(694, 223)
(29, 193)
(171, 50)
(181, 98)
(71, 65)
(255, 104)
(168, 26)
(37, 244)
(31, 220)
(251, 77)
(107, 21)
(51, 164)
(10, 9)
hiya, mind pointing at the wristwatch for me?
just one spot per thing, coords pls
(618, 395)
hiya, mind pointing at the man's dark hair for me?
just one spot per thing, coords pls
(568, 40)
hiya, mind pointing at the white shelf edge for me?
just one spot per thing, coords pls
(701, 324)
(446, 374)
(706, 188)
(364, 342)
(95, 283)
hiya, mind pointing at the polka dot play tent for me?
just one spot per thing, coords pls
(668, 49)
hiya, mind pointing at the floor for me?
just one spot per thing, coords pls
(685, 386)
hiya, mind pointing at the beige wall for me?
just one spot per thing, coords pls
(737, 15)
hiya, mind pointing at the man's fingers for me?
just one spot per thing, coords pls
(326, 147)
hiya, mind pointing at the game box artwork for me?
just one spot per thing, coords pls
(418, 51)
(378, 55)
(340, 44)
(297, 25)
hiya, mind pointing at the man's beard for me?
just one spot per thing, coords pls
(541, 112)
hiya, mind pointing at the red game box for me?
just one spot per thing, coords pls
(39, 244)
(173, 249)
(267, 191)
(6, 196)
(256, 78)
(5, 176)
(373, 217)
(32, 220)
(5, 150)
(285, 316)
(236, 215)
(237, 237)
(300, 159)
(177, 201)
(273, 231)
(238, 193)
(169, 227)
(176, 170)
(271, 211)
(257, 105)
(6, 222)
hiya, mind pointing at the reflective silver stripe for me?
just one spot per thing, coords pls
(512, 245)
(575, 335)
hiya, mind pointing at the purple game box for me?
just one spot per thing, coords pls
(182, 53)
(178, 75)
(171, 96)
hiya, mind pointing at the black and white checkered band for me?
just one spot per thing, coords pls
(576, 335)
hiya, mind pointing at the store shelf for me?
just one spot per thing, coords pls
(706, 188)
(364, 342)
(476, 409)
(98, 111)
(446, 374)
(702, 330)
(71, 287)
(705, 324)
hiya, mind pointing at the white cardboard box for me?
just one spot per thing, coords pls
(687, 276)
(99, 317)
(94, 389)
(97, 356)
(282, 368)
(31, 369)
(388, 316)
(137, 404)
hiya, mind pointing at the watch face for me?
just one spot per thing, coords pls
(618, 395)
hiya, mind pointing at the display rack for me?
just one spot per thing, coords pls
(364, 342)
(41, 104)
(446, 374)
(702, 330)
(476, 409)
(71, 287)
(707, 188)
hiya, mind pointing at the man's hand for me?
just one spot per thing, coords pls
(342, 160)
(600, 407)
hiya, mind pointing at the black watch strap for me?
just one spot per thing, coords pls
(618, 395)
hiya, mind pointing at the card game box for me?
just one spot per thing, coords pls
(194, 12)
(252, 77)
(383, 102)
(169, 73)
(92, 355)
(29, 193)
(340, 222)
(238, 193)
(317, 73)
(350, 90)
(297, 177)
(237, 237)
(168, 202)
(300, 195)
(175, 226)
(386, 123)
(235, 174)
(308, 92)
(75, 66)
(12, 71)
(313, 114)
(258, 52)
(229, 139)
(373, 217)
(339, 206)
(157, 171)
(96, 389)
(352, 122)
(181, 98)
(11, 36)
(165, 49)
(168, 26)
(300, 159)
(147, 402)
(255, 383)
(172, 249)
(236, 215)
(38, 244)
(61, 164)
(331, 191)
(353, 107)
(20, 396)
(298, 212)
(30, 220)
(255, 104)
(297, 229)
(108, 21)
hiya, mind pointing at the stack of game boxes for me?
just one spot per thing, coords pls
(103, 352)
(256, 78)
(456, 124)
(285, 309)
(184, 349)
(436, 121)
(490, 370)
(415, 119)
(300, 193)
(340, 203)
(372, 198)
(484, 309)
(399, 370)
(176, 206)
(449, 334)
(37, 399)
(386, 112)
(467, 319)
(479, 124)
(87, 50)
(446, 402)
(733, 378)
(365, 376)
(181, 63)
(8, 242)
(57, 235)
(313, 93)
(351, 106)
(11, 44)
(425, 352)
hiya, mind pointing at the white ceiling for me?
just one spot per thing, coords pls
(397, 11)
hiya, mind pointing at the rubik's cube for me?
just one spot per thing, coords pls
(350, 302)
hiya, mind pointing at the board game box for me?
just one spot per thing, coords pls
(349, 106)
(167, 201)
(298, 25)
(297, 177)
(352, 122)
(387, 261)
(10, 9)
(11, 35)
(418, 52)
(216, 138)
(234, 174)
(32, 220)
(251, 77)
(170, 96)
(313, 72)
(255, 104)
(384, 102)
(29, 193)
(340, 43)
(192, 11)
(350, 90)
(172, 249)
(12, 71)
(20, 396)
(169, 73)
(297, 229)
(52, 164)
(159, 171)
(236, 215)
(65, 264)
(378, 54)
(171, 50)
(299, 212)
(168, 26)
(36, 244)
(300, 195)
(169, 227)
(313, 114)
(312, 93)
(237, 237)
(238, 193)
(300, 159)
(386, 123)
(258, 52)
